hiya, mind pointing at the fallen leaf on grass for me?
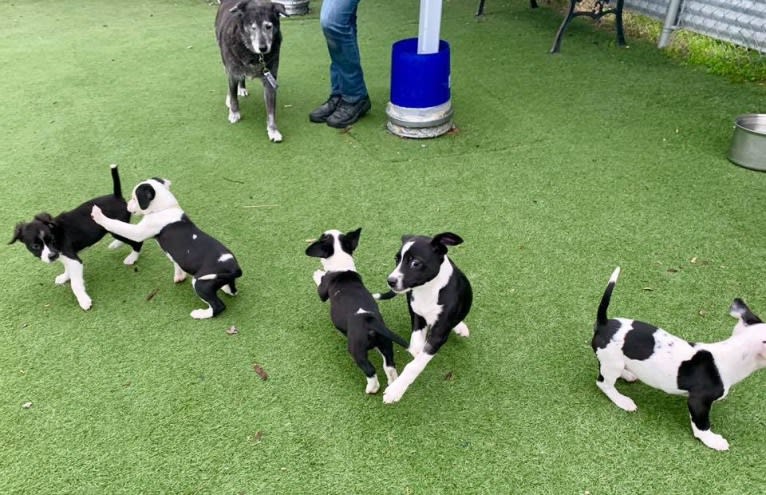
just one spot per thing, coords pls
(647, 289)
(256, 438)
(453, 131)
(449, 376)
(260, 371)
(232, 330)
(152, 294)
(672, 270)
(26, 405)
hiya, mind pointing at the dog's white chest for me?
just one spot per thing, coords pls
(424, 303)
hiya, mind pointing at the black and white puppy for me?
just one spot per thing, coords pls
(211, 265)
(635, 350)
(249, 36)
(439, 297)
(64, 236)
(352, 308)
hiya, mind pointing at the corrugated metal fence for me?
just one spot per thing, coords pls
(742, 22)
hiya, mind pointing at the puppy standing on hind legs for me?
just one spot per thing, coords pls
(439, 298)
(704, 373)
(353, 310)
(191, 250)
(63, 237)
(249, 37)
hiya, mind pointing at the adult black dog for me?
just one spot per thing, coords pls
(249, 36)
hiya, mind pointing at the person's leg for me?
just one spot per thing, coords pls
(338, 21)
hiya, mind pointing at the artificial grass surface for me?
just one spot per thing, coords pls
(563, 167)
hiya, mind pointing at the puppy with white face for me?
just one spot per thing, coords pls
(192, 251)
(439, 298)
(353, 310)
(634, 350)
(63, 237)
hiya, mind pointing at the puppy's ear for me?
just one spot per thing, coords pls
(741, 311)
(162, 181)
(279, 8)
(319, 249)
(239, 8)
(17, 232)
(145, 193)
(351, 240)
(447, 239)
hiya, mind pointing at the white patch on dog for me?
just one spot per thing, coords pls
(462, 329)
(372, 385)
(64, 277)
(201, 314)
(225, 257)
(77, 282)
(241, 90)
(425, 297)
(318, 274)
(234, 117)
(395, 391)
(131, 258)
(362, 311)
(227, 290)
(417, 342)
(391, 374)
(178, 274)
(211, 276)
(274, 135)
(340, 261)
(712, 440)
(397, 273)
(45, 255)
(194, 237)
(115, 244)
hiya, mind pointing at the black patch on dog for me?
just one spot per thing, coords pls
(700, 375)
(603, 335)
(639, 342)
(145, 194)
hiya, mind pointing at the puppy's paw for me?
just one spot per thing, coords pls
(179, 277)
(201, 314)
(318, 276)
(115, 244)
(62, 279)
(372, 385)
(84, 302)
(241, 91)
(227, 290)
(274, 135)
(713, 440)
(234, 117)
(462, 329)
(393, 393)
(131, 258)
(626, 403)
(96, 214)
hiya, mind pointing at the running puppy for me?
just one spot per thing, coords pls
(249, 38)
(439, 298)
(211, 265)
(635, 350)
(353, 310)
(64, 236)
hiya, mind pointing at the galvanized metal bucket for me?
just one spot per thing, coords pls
(295, 7)
(748, 144)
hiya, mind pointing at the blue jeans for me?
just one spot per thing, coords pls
(338, 21)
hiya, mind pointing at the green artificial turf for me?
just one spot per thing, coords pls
(561, 168)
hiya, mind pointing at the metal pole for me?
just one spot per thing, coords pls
(670, 23)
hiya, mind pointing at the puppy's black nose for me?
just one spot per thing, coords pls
(263, 49)
(391, 282)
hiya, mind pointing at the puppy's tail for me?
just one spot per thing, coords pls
(373, 324)
(601, 318)
(383, 297)
(116, 181)
(740, 311)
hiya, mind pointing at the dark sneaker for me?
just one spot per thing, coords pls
(348, 113)
(320, 114)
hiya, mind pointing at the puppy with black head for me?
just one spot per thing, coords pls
(249, 36)
(64, 236)
(704, 373)
(439, 298)
(352, 308)
(192, 251)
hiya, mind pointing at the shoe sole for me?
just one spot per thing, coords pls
(344, 125)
